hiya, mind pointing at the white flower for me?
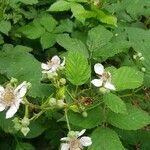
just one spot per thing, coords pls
(10, 97)
(53, 65)
(75, 141)
(104, 78)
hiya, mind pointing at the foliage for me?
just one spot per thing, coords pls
(62, 99)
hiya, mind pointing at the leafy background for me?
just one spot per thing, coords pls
(86, 32)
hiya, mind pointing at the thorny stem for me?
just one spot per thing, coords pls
(67, 120)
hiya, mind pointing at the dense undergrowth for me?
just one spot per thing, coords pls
(70, 65)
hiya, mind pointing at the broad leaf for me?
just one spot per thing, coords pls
(29, 2)
(77, 68)
(72, 44)
(93, 119)
(105, 139)
(98, 37)
(115, 103)
(5, 27)
(127, 78)
(60, 5)
(47, 40)
(135, 119)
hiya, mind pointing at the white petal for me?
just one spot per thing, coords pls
(64, 139)
(63, 63)
(45, 66)
(99, 69)
(109, 86)
(55, 60)
(2, 107)
(65, 146)
(97, 82)
(85, 141)
(21, 90)
(13, 109)
(81, 133)
(1, 89)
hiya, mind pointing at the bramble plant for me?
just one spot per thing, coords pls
(74, 74)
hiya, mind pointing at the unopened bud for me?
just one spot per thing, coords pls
(134, 56)
(25, 130)
(52, 102)
(141, 58)
(62, 81)
(139, 54)
(61, 103)
(143, 69)
(84, 114)
(25, 122)
(103, 90)
(13, 81)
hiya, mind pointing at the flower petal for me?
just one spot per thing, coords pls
(56, 60)
(81, 133)
(97, 82)
(2, 107)
(85, 141)
(109, 86)
(65, 146)
(45, 66)
(13, 109)
(99, 69)
(21, 90)
(1, 89)
(65, 139)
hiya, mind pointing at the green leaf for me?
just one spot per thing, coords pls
(48, 22)
(23, 66)
(29, 2)
(105, 139)
(6, 124)
(60, 6)
(115, 103)
(47, 40)
(111, 49)
(94, 118)
(5, 27)
(127, 78)
(104, 18)
(72, 44)
(24, 146)
(98, 37)
(135, 119)
(33, 30)
(77, 68)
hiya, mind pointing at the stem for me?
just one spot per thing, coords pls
(76, 90)
(26, 111)
(67, 120)
(69, 94)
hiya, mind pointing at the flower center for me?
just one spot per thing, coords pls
(75, 144)
(106, 76)
(8, 97)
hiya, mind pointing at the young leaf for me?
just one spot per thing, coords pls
(115, 103)
(77, 68)
(60, 6)
(105, 139)
(135, 119)
(127, 78)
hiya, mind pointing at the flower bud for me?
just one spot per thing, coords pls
(103, 90)
(13, 81)
(52, 102)
(61, 103)
(25, 122)
(62, 81)
(143, 69)
(84, 114)
(141, 58)
(25, 130)
(139, 54)
(134, 56)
